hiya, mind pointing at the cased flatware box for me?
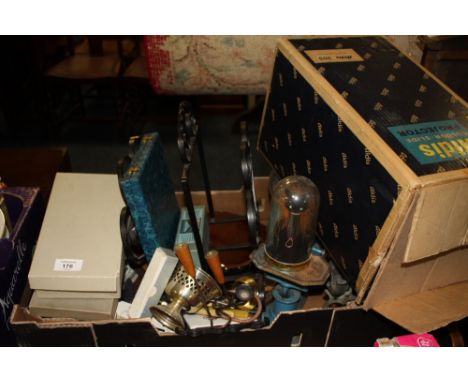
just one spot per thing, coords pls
(387, 145)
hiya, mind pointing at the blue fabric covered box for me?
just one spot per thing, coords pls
(150, 196)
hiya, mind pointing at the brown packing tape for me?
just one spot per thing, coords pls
(428, 310)
(438, 230)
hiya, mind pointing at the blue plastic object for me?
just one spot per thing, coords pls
(287, 297)
(317, 250)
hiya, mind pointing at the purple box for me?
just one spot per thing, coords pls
(26, 209)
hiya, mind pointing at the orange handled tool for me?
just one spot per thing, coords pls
(212, 258)
(183, 253)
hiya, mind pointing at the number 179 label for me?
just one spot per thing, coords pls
(68, 265)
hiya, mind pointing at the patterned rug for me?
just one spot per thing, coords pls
(210, 64)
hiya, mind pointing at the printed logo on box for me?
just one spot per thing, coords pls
(434, 142)
(425, 342)
(324, 56)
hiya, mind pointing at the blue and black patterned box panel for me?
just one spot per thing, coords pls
(302, 135)
(151, 197)
(420, 120)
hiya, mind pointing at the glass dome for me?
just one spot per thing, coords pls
(293, 219)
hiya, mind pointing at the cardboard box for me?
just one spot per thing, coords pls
(76, 295)
(149, 193)
(185, 233)
(78, 308)
(151, 288)
(410, 340)
(311, 326)
(412, 269)
(26, 209)
(387, 145)
(79, 247)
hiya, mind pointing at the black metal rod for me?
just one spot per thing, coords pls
(206, 181)
(193, 218)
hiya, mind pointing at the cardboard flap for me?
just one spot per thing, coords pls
(429, 310)
(438, 230)
(394, 226)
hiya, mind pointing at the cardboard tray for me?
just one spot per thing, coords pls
(317, 327)
(353, 326)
